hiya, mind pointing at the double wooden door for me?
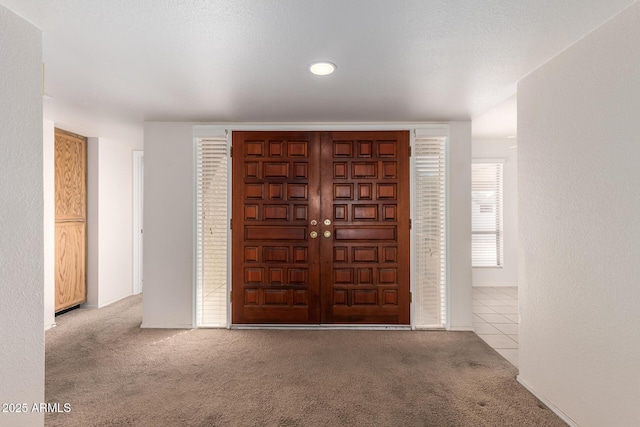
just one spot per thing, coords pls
(320, 228)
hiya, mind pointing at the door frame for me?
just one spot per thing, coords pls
(434, 129)
(138, 210)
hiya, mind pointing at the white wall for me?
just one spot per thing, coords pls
(168, 225)
(109, 221)
(501, 148)
(21, 218)
(48, 166)
(579, 205)
(168, 219)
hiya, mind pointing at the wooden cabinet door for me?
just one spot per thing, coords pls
(320, 227)
(70, 219)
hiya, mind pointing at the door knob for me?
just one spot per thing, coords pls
(327, 221)
(327, 234)
(314, 222)
(313, 234)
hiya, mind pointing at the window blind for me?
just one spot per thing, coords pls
(486, 216)
(212, 227)
(429, 226)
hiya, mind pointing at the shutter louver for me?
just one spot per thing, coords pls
(429, 224)
(486, 215)
(212, 224)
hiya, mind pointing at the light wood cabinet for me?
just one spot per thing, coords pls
(70, 218)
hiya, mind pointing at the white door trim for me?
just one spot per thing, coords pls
(138, 210)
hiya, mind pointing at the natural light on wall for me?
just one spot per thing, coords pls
(429, 230)
(212, 222)
(486, 215)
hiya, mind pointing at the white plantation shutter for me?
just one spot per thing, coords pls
(486, 214)
(429, 228)
(212, 227)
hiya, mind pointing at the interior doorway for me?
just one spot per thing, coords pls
(321, 228)
(138, 223)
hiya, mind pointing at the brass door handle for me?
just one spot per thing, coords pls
(327, 234)
(314, 222)
(313, 234)
(327, 221)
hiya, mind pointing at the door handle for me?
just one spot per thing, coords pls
(313, 234)
(327, 221)
(314, 222)
(327, 234)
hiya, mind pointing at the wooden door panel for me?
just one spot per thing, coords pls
(275, 264)
(359, 271)
(70, 219)
(365, 183)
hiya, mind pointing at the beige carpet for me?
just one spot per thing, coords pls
(113, 373)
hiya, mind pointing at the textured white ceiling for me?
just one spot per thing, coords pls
(245, 60)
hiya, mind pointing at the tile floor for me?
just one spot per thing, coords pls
(495, 319)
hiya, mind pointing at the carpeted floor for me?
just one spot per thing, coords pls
(113, 373)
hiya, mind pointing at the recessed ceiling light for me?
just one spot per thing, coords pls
(322, 68)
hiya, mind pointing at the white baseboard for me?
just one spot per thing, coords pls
(461, 329)
(166, 326)
(116, 300)
(49, 326)
(567, 419)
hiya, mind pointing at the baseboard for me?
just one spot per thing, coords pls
(116, 300)
(166, 326)
(461, 329)
(497, 285)
(49, 326)
(567, 419)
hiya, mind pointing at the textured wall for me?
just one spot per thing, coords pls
(168, 225)
(500, 148)
(21, 218)
(579, 205)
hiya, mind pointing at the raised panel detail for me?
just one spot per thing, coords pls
(297, 149)
(254, 148)
(365, 212)
(297, 276)
(340, 170)
(251, 170)
(251, 212)
(365, 297)
(275, 233)
(275, 149)
(343, 275)
(300, 297)
(275, 191)
(342, 149)
(276, 212)
(390, 297)
(275, 170)
(297, 191)
(365, 254)
(300, 212)
(300, 170)
(251, 297)
(276, 276)
(275, 254)
(387, 149)
(340, 254)
(340, 212)
(364, 149)
(275, 297)
(253, 191)
(299, 255)
(339, 297)
(387, 191)
(389, 254)
(250, 254)
(389, 170)
(343, 191)
(362, 233)
(389, 212)
(365, 276)
(364, 170)
(387, 275)
(254, 275)
(364, 192)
